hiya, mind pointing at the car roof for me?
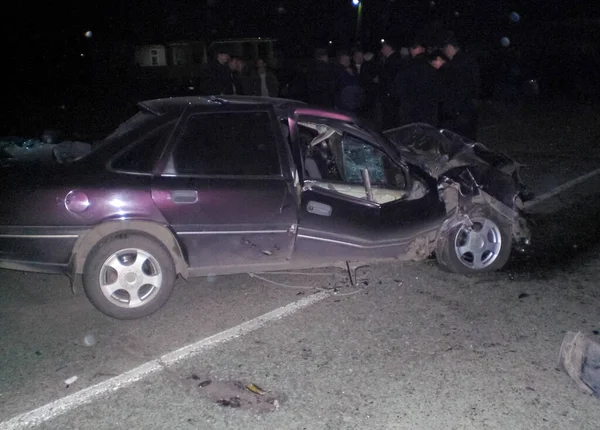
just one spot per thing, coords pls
(175, 105)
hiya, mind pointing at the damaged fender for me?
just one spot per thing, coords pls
(463, 195)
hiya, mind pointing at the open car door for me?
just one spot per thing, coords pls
(357, 201)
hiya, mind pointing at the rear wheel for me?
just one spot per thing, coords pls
(129, 276)
(483, 247)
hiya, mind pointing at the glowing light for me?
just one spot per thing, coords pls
(330, 42)
(355, 2)
(382, 40)
(88, 34)
(514, 17)
(505, 42)
(117, 203)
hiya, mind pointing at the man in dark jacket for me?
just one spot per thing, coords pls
(368, 80)
(321, 80)
(392, 65)
(417, 89)
(217, 78)
(239, 75)
(262, 81)
(462, 90)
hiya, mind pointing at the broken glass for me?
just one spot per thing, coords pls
(358, 155)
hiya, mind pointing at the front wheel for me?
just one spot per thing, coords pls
(483, 247)
(129, 276)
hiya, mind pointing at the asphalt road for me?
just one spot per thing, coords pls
(409, 347)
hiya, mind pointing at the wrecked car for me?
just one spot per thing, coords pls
(200, 186)
(50, 148)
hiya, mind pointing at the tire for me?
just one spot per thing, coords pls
(129, 275)
(485, 247)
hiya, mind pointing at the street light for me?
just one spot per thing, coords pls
(358, 5)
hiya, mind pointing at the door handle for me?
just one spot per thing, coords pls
(318, 208)
(184, 197)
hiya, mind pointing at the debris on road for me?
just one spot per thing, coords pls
(580, 358)
(523, 295)
(89, 340)
(70, 381)
(203, 383)
(241, 395)
(256, 389)
(232, 402)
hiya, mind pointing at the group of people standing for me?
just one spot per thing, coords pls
(230, 75)
(438, 83)
(435, 84)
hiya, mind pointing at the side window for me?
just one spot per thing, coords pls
(140, 156)
(232, 143)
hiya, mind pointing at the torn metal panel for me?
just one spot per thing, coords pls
(459, 205)
(440, 152)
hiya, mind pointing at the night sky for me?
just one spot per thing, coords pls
(38, 35)
(303, 21)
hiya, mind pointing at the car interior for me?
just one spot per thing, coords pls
(334, 160)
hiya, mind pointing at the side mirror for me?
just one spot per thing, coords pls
(367, 183)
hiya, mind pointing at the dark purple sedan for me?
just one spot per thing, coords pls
(205, 185)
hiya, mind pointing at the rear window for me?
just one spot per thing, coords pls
(228, 143)
(141, 156)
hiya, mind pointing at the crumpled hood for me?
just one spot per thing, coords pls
(445, 154)
(438, 151)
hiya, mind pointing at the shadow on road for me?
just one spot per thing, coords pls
(562, 238)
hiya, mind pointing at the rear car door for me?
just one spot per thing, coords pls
(226, 191)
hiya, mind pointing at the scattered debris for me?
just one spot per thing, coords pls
(70, 381)
(256, 389)
(523, 295)
(89, 340)
(596, 332)
(580, 358)
(267, 252)
(300, 293)
(232, 402)
(38, 353)
(249, 243)
(205, 383)
(243, 396)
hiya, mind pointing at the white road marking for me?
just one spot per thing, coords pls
(87, 395)
(560, 189)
